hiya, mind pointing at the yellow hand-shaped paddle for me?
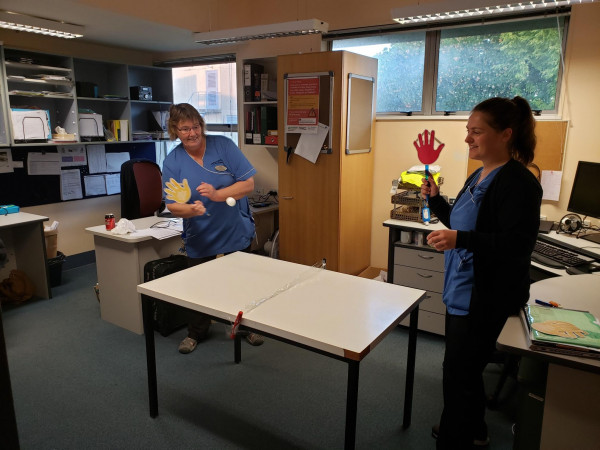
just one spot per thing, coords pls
(178, 192)
(560, 328)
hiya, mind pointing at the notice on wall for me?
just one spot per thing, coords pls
(302, 105)
(551, 181)
(43, 163)
(70, 184)
(72, 155)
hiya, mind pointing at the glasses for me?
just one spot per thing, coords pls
(187, 130)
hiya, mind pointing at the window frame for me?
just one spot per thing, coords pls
(229, 58)
(432, 48)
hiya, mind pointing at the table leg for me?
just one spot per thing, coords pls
(150, 354)
(351, 404)
(410, 366)
(237, 348)
(8, 420)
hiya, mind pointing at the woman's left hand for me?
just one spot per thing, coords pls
(442, 239)
(208, 191)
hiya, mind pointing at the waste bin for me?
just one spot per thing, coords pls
(55, 268)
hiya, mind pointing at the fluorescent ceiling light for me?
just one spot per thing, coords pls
(298, 28)
(32, 24)
(469, 9)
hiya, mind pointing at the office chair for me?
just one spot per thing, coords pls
(141, 189)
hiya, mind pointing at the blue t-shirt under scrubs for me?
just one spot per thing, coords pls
(458, 262)
(223, 229)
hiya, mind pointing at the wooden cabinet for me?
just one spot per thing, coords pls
(325, 207)
(419, 267)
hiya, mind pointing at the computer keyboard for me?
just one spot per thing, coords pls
(557, 257)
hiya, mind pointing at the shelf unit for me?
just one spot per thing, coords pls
(269, 67)
(48, 82)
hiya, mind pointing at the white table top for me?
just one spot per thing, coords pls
(341, 314)
(571, 291)
(140, 224)
(10, 220)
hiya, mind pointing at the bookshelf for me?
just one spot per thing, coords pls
(67, 87)
(259, 94)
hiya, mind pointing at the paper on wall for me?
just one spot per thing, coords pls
(72, 155)
(94, 185)
(6, 162)
(551, 181)
(43, 163)
(115, 160)
(309, 145)
(96, 155)
(113, 183)
(70, 184)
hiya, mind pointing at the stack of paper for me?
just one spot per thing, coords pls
(563, 331)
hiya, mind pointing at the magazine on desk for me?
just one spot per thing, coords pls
(563, 331)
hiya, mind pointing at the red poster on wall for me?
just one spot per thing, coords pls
(302, 105)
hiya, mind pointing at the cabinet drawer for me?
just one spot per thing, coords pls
(428, 321)
(419, 278)
(433, 303)
(422, 259)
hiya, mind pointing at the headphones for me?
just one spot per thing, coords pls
(570, 224)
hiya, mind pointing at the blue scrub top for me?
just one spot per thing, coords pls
(227, 229)
(458, 262)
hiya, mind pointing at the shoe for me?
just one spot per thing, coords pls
(188, 345)
(477, 442)
(254, 339)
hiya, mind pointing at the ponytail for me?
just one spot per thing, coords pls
(515, 114)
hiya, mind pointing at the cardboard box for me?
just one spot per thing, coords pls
(51, 243)
(90, 125)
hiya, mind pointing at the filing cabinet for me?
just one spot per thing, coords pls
(419, 267)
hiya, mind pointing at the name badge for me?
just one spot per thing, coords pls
(221, 168)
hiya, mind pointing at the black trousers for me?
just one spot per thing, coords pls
(469, 347)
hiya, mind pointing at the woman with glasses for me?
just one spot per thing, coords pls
(492, 229)
(200, 174)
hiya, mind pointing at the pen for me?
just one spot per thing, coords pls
(550, 304)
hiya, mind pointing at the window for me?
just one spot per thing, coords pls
(405, 52)
(212, 90)
(451, 70)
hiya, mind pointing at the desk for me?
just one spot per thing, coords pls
(120, 261)
(23, 235)
(334, 314)
(572, 400)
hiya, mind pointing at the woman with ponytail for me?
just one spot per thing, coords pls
(492, 230)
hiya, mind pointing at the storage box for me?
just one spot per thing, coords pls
(51, 243)
(271, 140)
(30, 124)
(90, 125)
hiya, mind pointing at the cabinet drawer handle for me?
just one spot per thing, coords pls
(424, 276)
(287, 198)
(424, 257)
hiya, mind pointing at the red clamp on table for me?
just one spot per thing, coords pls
(236, 324)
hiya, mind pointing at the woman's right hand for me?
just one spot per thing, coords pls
(429, 187)
(198, 208)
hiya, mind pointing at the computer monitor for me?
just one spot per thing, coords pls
(584, 198)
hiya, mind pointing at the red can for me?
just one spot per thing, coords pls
(109, 221)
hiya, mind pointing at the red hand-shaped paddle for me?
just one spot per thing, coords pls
(427, 154)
